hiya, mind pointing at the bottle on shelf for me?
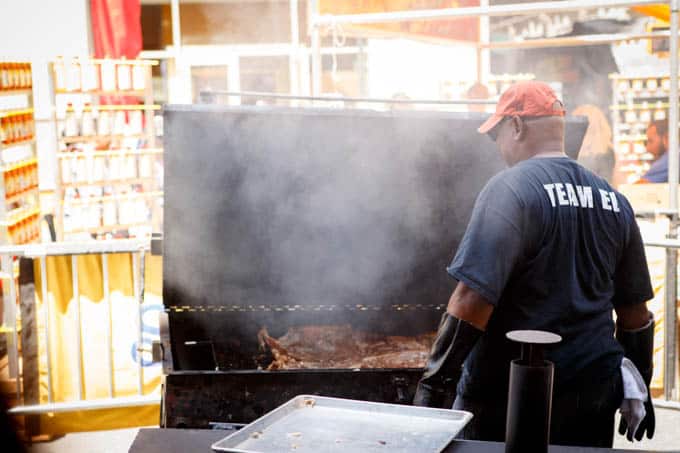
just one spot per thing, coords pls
(145, 166)
(71, 128)
(11, 76)
(119, 123)
(9, 183)
(59, 69)
(109, 212)
(4, 131)
(31, 126)
(12, 128)
(138, 77)
(87, 126)
(66, 169)
(90, 75)
(123, 77)
(108, 75)
(4, 83)
(136, 119)
(104, 123)
(74, 77)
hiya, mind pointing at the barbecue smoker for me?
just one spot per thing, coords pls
(332, 228)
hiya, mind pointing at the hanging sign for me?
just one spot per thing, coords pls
(460, 29)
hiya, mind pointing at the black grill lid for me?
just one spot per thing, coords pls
(309, 208)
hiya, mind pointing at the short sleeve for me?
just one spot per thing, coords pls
(492, 243)
(632, 284)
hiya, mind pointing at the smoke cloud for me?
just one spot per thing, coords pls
(277, 207)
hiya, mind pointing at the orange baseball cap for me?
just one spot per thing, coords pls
(529, 98)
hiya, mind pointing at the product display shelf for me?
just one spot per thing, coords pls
(110, 228)
(107, 153)
(110, 182)
(110, 152)
(20, 211)
(118, 197)
(99, 138)
(637, 101)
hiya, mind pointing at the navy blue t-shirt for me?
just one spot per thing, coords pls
(553, 247)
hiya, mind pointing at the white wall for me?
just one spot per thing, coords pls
(37, 31)
(417, 68)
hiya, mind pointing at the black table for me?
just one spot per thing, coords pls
(197, 440)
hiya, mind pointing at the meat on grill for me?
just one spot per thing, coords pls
(340, 346)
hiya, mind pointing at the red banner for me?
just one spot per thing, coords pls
(116, 28)
(463, 29)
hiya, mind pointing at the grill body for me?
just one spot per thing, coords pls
(281, 218)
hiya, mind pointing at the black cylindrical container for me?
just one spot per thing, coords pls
(527, 425)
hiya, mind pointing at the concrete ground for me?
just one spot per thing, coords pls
(115, 441)
(667, 438)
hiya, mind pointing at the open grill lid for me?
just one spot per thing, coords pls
(323, 210)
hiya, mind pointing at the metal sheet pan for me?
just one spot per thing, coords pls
(310, 423)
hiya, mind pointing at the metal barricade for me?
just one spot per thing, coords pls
(9, 272)
(670, 317)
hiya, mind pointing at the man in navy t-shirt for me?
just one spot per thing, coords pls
(550, 246)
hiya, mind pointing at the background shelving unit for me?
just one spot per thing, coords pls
(20, 211)
(638, 100)
(109, 165)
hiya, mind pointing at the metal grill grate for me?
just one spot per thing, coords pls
(301, 308)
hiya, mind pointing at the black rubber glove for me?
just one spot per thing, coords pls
(455, 339)
(638, 346)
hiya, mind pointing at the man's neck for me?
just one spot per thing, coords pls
(548, 154)
(551, 147)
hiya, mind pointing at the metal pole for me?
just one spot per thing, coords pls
(76, 248)
(107, 302)
(294, 58)
(14, 357)
(138, 273)
(483, 60)
(11, 311)
(672, 255)
(315, 31)
(79, 343)
(262, 94)
(176, 31)
(46, 309)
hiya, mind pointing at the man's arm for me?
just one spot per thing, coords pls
(632, 317)
(634, 323)
(468, 305)
(635, 332)
(494, 235)
(461, 326)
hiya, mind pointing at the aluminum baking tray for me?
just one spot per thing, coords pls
(310, 423)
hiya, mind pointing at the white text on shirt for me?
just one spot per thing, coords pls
(566, 194)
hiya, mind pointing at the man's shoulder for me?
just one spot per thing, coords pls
(658, 171)
(518, 177)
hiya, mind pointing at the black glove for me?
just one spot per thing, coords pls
(455, 339)
(638, 346)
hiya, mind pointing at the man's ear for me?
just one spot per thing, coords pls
(518, 127)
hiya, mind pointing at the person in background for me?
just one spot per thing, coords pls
(596, 153)
(478, 91)
(657, 146)
(400, 96)
(549, 246)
